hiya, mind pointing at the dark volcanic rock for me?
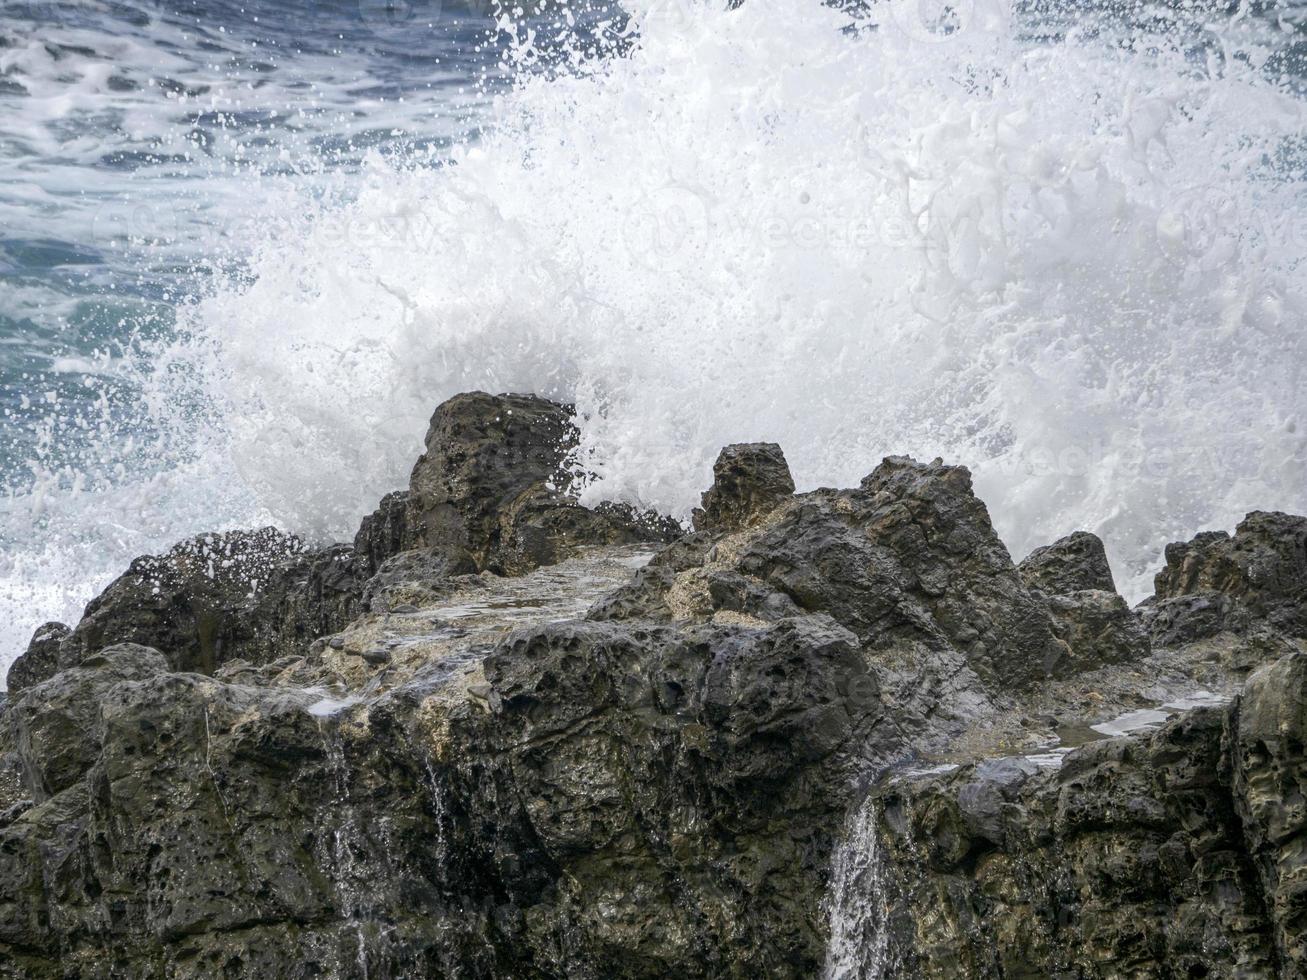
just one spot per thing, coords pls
(42, 660)
(490, 493)
(612, 810)
(1270, 779)
(910, 557)
(1098, 628)
(383, 533)
(1071, 564)
(242, 594)
(1223, 583)
(749, 480)
(226, 831)
(1126, 861)
(1190, 618)
(55, 725)
(656, 766)
(465, 780)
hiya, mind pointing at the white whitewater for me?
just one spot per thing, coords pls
(857, 902)
(1076, 265)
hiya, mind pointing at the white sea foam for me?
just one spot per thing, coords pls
(1074, 265)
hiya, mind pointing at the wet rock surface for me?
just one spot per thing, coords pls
(749, 480)
(1128, 859)
(42, 659)
(909, 560)
(1096, 628)
(504, 735)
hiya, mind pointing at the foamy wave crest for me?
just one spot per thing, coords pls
(1074, 263)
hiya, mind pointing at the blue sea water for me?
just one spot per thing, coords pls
(246, 247)
(133, 136)
(140, 143)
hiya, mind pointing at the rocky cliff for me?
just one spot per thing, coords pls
(504, 735)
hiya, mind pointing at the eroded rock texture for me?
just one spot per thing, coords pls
(1127, 860)
(909, 562)
(490, 493)
(503, 735)
(1248, 583)
(1268, 735)
(1071, 564)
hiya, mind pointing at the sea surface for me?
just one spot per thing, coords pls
(246, 248)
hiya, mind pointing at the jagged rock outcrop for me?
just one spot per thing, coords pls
(490, 494)
(383, 533)
(1096, 628)
(247, 594)
(910, 558)
(491, 491)
(656, 766)
(749, 480)
(56, 724)
(1254, 581)
(420, 756)
(1071, 564)
(1094, 623)
(41, 660)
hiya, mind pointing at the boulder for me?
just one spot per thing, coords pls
(43, 658)
(616, 738)
(56, 725)
(488, 495)
(619, 800)
(491, 492)
(749, 481)
(1071, 564)
(1098, 628)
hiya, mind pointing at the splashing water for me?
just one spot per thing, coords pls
(858, 947)
(1068, 255)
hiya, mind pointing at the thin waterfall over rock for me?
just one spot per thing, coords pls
(857, 903)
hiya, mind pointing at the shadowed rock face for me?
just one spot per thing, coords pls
(40, 661)
(390, 760)
(1268, 734)
(909, 558)
(252, 595)
(1096, 628)
(1128, 860)
(249, 594)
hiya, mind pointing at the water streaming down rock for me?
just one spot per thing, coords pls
(858, 902)
(343, 844)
